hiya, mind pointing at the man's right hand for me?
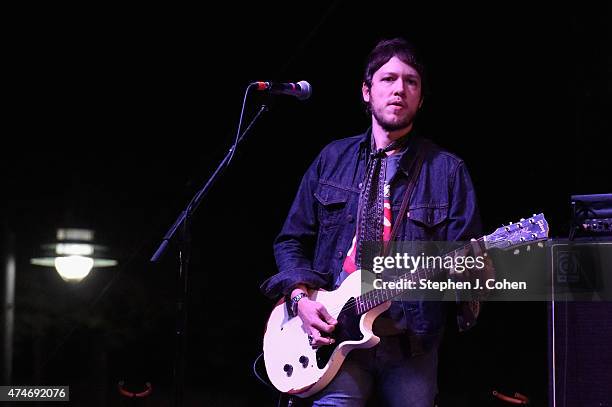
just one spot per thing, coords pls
(315, 319)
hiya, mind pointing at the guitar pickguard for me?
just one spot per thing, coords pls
(347, 329)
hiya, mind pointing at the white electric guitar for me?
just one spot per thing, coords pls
(294, 367)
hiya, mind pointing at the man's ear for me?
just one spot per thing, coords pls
(365, 92)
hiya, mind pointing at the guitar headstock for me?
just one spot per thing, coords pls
(525, 231)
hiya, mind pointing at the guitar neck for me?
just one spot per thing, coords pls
(374, 298)
(525, 231)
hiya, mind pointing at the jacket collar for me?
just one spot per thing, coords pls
(407, 154)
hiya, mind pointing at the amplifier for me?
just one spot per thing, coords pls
(603, 226)
(580, 332)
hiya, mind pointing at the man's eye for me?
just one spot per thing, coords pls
(387, 79)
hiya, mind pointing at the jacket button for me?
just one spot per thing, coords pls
(349, 218)
(340, 254)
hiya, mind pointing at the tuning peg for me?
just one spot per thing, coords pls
(510, 223)
(534, 215)
(507, 229)
(540, 244)
(516, 251)
(522, 239)
(534, 235)
(520, 226)
(528, 248)
(531, 221)
(522, 219)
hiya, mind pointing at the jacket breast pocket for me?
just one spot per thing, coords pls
(332, 204)
(427, 222)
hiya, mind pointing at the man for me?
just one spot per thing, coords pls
(351, 195)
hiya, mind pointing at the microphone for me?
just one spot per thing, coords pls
(300, 90)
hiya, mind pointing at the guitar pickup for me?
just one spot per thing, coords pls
(304, 361)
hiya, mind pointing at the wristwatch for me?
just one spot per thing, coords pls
(294, 302)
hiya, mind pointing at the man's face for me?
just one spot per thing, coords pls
(395, 95)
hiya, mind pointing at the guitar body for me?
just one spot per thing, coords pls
(293, 366)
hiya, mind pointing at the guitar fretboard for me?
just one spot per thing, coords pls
(374, 298)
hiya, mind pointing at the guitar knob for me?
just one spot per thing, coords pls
(288, 369)
(304, 361)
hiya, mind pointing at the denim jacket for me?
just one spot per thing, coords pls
(321, 223)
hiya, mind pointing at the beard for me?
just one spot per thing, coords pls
(389, 125)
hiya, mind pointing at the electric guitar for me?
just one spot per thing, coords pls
(295, 367)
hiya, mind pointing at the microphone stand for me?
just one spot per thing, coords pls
(183, 238)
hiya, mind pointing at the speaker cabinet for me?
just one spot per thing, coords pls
(580, 332)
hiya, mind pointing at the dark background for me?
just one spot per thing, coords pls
(117, 115)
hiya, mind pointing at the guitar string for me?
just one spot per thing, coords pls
(367, 296)
(352, 303)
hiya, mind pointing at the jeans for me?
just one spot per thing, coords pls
(389, 371)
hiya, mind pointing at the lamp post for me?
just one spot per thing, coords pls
(8, 304)
(74, 254)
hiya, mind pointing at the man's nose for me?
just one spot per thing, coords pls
(399, 87)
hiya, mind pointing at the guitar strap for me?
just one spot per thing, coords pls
(381, 325)
(415, 170)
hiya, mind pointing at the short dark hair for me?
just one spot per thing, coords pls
(395, 47)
